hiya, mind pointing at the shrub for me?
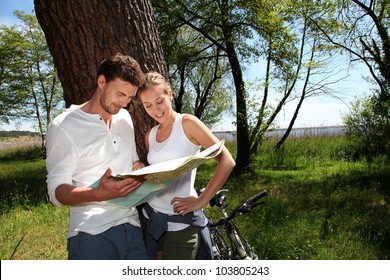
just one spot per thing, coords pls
(368, 128)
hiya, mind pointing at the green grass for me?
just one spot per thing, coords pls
(36, 233)
(337, 217)
(23, 183)
(320, 205)
(30, 227)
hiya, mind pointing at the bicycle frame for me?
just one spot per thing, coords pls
(237, 242)
(225, 229)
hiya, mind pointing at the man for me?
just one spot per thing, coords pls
(89, 142)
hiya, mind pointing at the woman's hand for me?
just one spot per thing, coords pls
(187, 205)
(138, 165)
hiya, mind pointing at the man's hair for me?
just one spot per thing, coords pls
(123, 67)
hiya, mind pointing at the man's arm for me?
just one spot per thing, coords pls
(68, 194)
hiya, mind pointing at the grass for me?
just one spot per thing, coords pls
(30, 227)
(34, 233)
(330, 218)
(320, 204)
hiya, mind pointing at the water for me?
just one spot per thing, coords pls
(295, 132)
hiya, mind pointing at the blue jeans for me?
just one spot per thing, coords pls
(122, 242)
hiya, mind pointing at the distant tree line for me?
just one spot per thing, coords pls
(16, 133)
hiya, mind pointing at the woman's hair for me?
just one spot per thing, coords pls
(123, 67)
(155, 79)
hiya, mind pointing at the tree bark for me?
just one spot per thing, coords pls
(299, 105)
(244, 157)
(80, 34)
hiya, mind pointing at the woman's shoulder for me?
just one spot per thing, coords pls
(194, 128)
(189, 118)
(190, 122)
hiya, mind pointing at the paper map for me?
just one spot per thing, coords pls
(160, 175)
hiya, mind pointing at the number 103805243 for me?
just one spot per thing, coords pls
(242, 270)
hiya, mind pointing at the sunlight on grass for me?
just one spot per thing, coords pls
(38, 233)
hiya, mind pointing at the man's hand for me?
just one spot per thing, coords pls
(110, 188)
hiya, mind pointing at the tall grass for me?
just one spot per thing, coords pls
(22, 174)
(30, 227)
(321, 205)
(37, 233)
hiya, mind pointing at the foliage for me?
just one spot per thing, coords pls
(29, 85)
(298, 60)
(16, 133)
(368, 128)
(196, 70)
(13, 86)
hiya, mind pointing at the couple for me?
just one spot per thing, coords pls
(96, 139)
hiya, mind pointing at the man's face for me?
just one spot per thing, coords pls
(116, 94)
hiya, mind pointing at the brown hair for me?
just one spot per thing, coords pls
(123, 67)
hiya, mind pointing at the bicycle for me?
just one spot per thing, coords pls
(226, 239)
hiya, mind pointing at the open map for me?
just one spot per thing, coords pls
(160, 175)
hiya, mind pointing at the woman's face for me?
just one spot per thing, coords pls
(157, 103)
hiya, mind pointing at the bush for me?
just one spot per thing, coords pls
(368, 128)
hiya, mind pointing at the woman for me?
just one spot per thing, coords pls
(176, 224)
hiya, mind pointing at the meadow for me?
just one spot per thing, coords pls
(321, 205)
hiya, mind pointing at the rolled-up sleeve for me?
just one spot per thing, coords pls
(61, 160)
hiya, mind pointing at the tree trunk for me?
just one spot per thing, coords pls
(80, 34)
(244, 157)
(299, 105)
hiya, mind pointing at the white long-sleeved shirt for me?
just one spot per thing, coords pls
(80, 148)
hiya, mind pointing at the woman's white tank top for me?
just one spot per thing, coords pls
(175, 146)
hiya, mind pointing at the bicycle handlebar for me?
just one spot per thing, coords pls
(256, 197)
(243, 208)
(246, 206)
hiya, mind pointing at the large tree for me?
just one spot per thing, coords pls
(221, 24)
(80, 34)
(246, 31)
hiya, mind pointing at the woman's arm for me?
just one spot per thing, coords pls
(199, 134)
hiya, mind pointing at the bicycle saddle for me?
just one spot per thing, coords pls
(218, 200)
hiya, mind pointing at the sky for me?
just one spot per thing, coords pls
(319, 111)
